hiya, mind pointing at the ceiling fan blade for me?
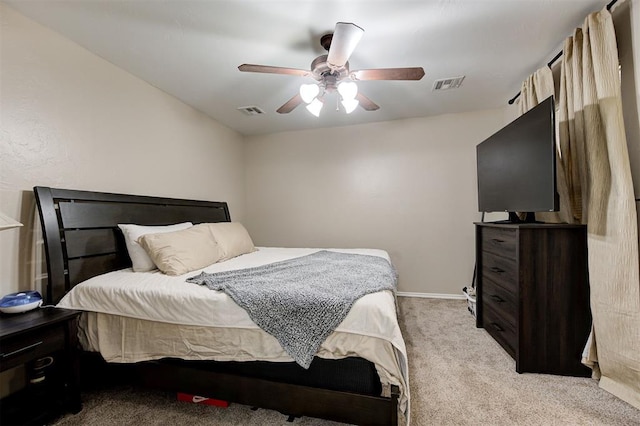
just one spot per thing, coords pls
(366, 103)
(290, 105)
(273, 70)
(345, 38)
(414, 73)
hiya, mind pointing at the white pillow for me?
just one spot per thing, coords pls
(140, 260)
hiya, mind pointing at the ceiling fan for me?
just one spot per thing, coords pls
(332, 73)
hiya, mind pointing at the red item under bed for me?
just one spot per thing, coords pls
(201, 400)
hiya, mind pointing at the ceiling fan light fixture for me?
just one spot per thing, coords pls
(333, 73)
(315, 107)
(350, 105)
(308, 92)
(348, 90)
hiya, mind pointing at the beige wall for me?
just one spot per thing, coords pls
(406, 186)
(631, 95)
(634, 145)
(627, 23)
(70, 119)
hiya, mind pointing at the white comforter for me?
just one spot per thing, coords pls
(370, 330)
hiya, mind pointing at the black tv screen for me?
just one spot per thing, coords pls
(517, 165)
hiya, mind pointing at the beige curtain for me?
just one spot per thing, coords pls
(595, 167)
(535, 89)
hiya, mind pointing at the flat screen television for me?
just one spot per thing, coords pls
(517, 165)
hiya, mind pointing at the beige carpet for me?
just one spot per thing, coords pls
(459, 376)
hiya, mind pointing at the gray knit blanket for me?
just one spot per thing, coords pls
(302, 300)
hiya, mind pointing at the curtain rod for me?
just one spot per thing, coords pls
(555, 58)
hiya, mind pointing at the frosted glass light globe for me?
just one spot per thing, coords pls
(349, 105)
(348, 90)
(315, 107)
(308, 92)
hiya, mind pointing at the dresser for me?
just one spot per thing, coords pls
(533, 293)
(42, 344)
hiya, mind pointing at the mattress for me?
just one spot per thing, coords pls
(127, 311)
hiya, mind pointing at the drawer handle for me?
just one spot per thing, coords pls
(496, 269)
(497, 327)
(497, 298)
(497, 240)
(26, 348)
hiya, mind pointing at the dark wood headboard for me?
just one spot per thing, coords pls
(81, 235)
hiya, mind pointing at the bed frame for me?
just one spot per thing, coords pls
(82, 240)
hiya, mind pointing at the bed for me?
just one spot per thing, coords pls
(359, 375)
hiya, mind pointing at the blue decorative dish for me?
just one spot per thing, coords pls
(23, 301)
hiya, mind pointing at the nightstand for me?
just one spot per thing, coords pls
(44, 343)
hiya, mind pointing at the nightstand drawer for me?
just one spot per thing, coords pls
(500, 270)
(499, 241)
(500, 329)
(501, 300)
(44, 342)
(22, 348)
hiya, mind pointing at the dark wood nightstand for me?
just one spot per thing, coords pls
(44, 341)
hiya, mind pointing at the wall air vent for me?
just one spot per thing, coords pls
(448, 83)
(251, 110)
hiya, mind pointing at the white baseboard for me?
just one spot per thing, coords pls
(431, 295)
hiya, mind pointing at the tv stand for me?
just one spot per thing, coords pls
(533, 293)
(529, 217)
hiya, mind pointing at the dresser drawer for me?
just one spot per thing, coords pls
(500, 299)
(500, 329)
(499, 241)
(500, 270)
(19, 349)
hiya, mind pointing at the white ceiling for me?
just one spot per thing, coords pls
(191, 50)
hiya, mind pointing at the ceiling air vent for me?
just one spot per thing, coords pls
(251, 110)
(448, 83)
